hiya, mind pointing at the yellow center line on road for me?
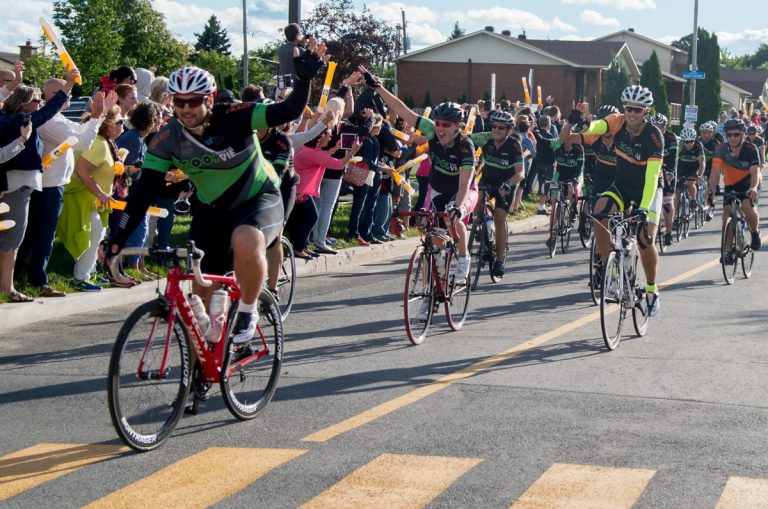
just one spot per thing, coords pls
(744, 492)
(443, 382)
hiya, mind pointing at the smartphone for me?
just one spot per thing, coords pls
(27, 120)
(347, 140)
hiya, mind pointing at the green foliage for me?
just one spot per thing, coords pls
(427, 102)
(758, 59)
(42, 66)
(457, 32)
(409, 101)
(213, 38)
(462, 99)
(262, 64)
(615, 80)
(707, 90)
(503, 97)
(486, 96)
(651, 77)
(224, 68)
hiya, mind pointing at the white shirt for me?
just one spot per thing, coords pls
(53, 133)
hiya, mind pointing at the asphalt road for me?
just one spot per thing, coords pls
(675, 419)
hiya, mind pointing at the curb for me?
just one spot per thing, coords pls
(18, 315)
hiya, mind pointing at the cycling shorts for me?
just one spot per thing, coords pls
(740, 189)
(545, 173)
(623, 199)
(669, 184)
(212, 228)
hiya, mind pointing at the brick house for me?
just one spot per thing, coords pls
(566, 70)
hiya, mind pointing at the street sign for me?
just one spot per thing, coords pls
(694, 75)
(691, 113)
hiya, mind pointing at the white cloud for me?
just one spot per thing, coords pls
(502, 18)
(574, 37)
(748, 35)
(595, 18)
(422, 34)
(561, 25)
(275, 5)
(390, 12)
(668, 39)
(638, 5)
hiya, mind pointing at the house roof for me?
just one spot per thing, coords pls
(750, 80)
(644, 38)
(581, 53)
(9, 57)
(737, 89)
(673, 77)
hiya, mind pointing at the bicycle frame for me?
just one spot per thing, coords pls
(430, 226)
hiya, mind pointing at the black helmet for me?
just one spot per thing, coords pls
(448, 111)
(503, 117)
(752, 129)
(605, 110)
(733, 124)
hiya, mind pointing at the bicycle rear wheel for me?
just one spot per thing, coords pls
(613, 305)
(495, 278)
(456, 292)
(565, 227)
(679, 220)
(586, 233)
(660, 237)
(250, 372)
(418, 297)
(553, 229)
(594, 276)
(747, 260)
(728, 251)
(640, 314)
(477, 249)
(286, 280)
(145, 404)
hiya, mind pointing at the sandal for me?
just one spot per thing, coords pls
(303, 255)
(129, 283)
(19, 297)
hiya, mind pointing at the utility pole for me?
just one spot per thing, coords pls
(694, 44)
(405, 37)
(245, 46)
(294, 11)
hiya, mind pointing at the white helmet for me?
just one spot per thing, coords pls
(637, 95)
(659, 119)
(708, 126)
(688, 134)
(191, 80)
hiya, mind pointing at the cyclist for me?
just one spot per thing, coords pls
(639, 147)
(709, 139)
(754, 136)
(451, 155)
(739, 162)
(668, 175)
(239, 192)
(692, 164)
(503, 170)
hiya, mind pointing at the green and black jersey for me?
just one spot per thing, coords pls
(225, 164)
(447, 162)
(501, 164)
(689, 158)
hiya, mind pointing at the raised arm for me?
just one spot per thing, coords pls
(396, 105)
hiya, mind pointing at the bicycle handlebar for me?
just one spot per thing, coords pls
(193, 255)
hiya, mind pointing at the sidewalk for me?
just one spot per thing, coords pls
(17, 315)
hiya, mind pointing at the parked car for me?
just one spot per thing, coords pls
(77, 107)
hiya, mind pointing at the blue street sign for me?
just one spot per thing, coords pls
(694, 75)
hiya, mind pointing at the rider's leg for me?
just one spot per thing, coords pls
(602, 234)
(250, 262)
(500, 224)
(750, 214)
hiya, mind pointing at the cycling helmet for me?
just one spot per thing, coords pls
(448, 111)
(502, 117)
(708, 126)
(688, 134)
(191, 80)
(734, 124)
(659, 119)
(637, 95)
(605, 110)
(752, 129)
(759, 130)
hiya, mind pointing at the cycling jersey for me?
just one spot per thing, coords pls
(709, 151)
(638, 161)
(688, 159)
(501, 164)
(669, 160)
(226, 167)
(570, 163)
(735, 168)
(590, 159)
(277, 148)
(605, 163)
(447, 162)
(760, 144)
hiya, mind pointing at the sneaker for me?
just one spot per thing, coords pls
(423, 313)
(710, 215)
(549, 242)
(330, 241)
(245, 327)
(756, 241)
(389, 236)
(667, 239)
(86, 286)
(381, 239)
(729, 259)
(654, 303)
(498, 269)
(100, 280)
(462, 271)
(542, 212)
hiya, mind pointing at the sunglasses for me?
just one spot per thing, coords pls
(445, 124)
(192, 102)
(633, 109)
(499, 126)
(688, 142)
(734, 134)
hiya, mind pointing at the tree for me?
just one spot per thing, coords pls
(708, 89)
(758, 59)
(262, 63)
(224, 68)
(213, 38)
(457, 32)
(615, 80)
(427, 103)
(652, 79)
(353, 37)
(42, 66)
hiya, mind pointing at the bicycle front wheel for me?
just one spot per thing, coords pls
(586, 233)
(553, 229)
(418, 298)
(728, 252)
(640, 314)
(456, 293)
(746, 263)
(286, 280)
(477, 249)
(250, 372)
(613, 307)
(594, 274)
(148, 378)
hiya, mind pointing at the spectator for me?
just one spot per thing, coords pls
(86, 203)
(121, 75)
(144, 79)
(364, 197)
(45, 205)
(545, 160)
(127, 100)
(382, 211)
(293, 39)
(252, 94)
(159, 92)
(226, 96)
(528, 143)
(22, 174)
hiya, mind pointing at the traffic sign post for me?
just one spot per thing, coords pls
(691, 113)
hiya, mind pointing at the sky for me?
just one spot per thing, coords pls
(430, 21)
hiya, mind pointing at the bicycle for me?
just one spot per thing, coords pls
(560, 222)
(426, 286)
(733, 243)
(706, 208)
(620, 291)
(482, 239)
(150, 370)
(683, 213)
(586, 232)
(286, 280)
